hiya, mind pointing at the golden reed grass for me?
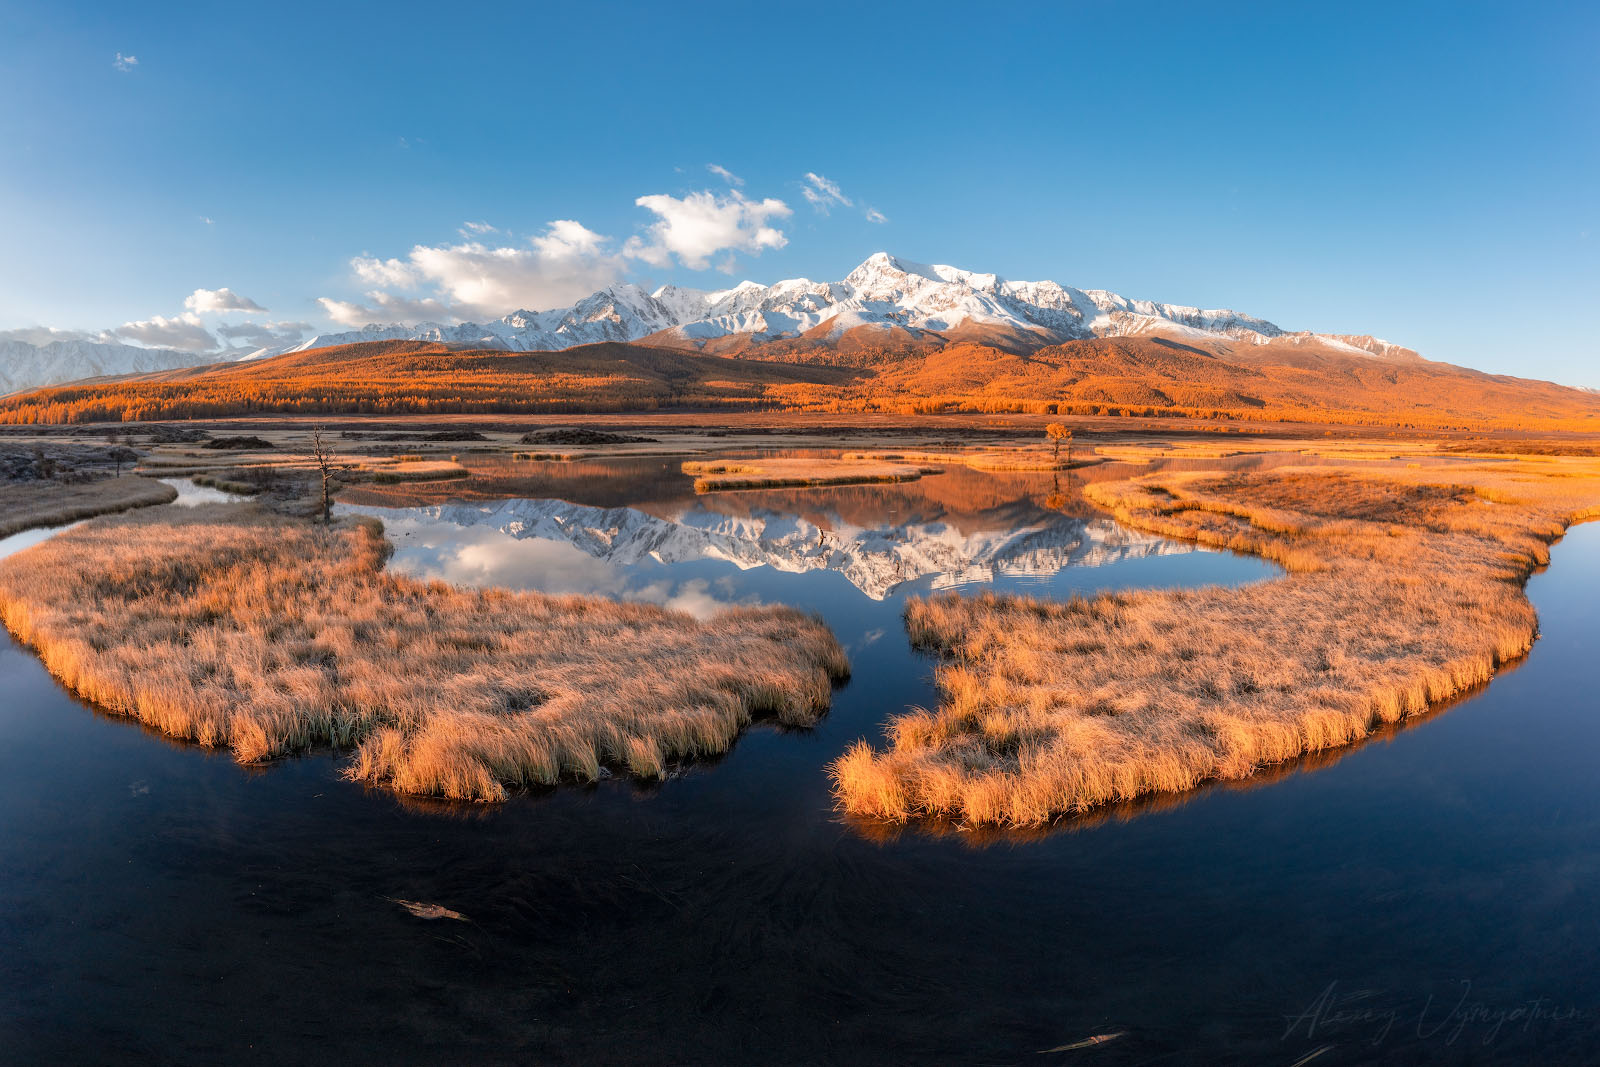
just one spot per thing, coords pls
(232, 627)
(1405, 587)
(24, 505)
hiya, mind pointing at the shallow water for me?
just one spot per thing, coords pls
(192, 495)
(28, 538)
(159, 900)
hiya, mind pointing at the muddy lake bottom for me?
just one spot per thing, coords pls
(1432, 895)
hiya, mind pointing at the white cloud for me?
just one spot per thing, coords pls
(386, 307)
(125, 63)
(874, 215)
(564, 264)
(390, 272)
(43, 335)
(475, 280)
(202, 301)
(478, 279)
(566, 239)
(822, 194)
(725, 174)
(264, 334)
(344, 312)
(184, 332)
(700, 225)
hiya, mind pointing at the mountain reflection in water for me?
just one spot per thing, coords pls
(458, 542)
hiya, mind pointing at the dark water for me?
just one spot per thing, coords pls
(158, 901)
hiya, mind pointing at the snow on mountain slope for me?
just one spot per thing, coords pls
(28, 366)
(884, 292)
(617, 313)
(874, 559)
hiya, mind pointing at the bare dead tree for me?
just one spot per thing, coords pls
(324, 459)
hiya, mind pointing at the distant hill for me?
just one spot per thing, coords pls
(1287, 377)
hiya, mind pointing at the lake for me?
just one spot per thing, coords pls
(1428, 895)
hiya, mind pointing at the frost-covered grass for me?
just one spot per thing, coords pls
(233, 627)
(1402, 592)
(24, 505)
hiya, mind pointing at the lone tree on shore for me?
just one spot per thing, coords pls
(1058, 433)
(122, 454)
(324, 458)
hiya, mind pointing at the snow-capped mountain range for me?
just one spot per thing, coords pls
(885, 293)
(28, 366)
(874, 559)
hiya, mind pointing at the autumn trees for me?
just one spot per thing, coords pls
(1057, 433)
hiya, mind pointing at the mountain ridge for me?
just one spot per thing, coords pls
(925, 303)
(24, 365)
(885, 303)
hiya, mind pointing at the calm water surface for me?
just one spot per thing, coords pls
(191, 495)
(1428, 896)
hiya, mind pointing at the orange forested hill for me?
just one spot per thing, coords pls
(419, 377)
(1145, 376)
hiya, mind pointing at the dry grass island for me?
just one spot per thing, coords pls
(1404, 587)
(232, 626)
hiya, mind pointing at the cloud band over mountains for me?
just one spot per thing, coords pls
(490, 272)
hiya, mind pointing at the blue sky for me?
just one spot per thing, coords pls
(1423, 172)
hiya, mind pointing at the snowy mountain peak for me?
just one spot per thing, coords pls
(883, 292)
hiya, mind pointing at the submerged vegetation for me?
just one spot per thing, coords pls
(777, 473)
(1403, 590)
(994, 459)
(234, 627)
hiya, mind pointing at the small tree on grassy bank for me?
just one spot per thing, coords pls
(1057, 433)
(122, 454)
